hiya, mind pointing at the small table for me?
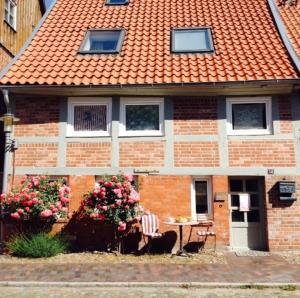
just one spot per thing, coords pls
(181, 251)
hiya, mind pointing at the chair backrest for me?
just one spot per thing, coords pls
(150, 223)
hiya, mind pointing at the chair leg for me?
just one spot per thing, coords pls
(149, 245)
(215, 243)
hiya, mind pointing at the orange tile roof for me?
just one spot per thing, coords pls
(247, 44)
(290, 15)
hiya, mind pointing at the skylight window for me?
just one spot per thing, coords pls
(102, 41)
(192, 40)
(116, 2)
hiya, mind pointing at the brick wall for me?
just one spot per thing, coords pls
(195, 116)
(285, 114)
(142, 154)
(89, 154)
(266, 153)
(283, 219)
(196, 154)
(36, 155)
(38, 116)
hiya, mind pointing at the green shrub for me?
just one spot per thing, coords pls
(36, 245)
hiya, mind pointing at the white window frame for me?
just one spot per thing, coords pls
(201, 216)
(141, 101)
(240, 100)
(73, 101)
(12, 11)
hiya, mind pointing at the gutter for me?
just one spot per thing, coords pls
(283, 34)
(161, 85)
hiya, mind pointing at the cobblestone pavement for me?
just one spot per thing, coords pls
(33, 292)
(237, 270)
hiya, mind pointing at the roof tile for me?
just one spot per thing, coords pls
(247, 45)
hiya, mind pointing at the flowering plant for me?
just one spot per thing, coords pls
(114, 200)
(38, 197)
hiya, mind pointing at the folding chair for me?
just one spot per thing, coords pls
(204, 234)
(150, 229)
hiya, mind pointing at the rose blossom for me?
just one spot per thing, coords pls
(20, 211)
(118, 202)
(129, 177)
(122, 226)
(46, 213)
(15, 215)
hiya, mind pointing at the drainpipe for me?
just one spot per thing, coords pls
(6, 144)
(5, 165)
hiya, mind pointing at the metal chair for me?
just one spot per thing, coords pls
(204, 234)
(150, 229)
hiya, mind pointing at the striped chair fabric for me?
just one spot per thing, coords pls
(150, 225)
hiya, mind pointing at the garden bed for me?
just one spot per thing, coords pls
(206, 257)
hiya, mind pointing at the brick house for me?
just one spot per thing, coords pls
(198, 99)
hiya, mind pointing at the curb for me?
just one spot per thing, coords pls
(147, 284)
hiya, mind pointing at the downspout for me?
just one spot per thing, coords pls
(281, 29)
(6, 144)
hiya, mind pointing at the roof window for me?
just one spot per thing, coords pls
(116, 2)
(192, 40)
(103, 41)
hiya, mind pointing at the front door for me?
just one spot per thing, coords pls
(247, 230)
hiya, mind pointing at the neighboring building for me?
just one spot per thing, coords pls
(199, 99)
(19, 18)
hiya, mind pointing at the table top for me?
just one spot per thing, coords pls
(188, 223)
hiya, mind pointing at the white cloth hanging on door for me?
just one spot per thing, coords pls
(244, 199)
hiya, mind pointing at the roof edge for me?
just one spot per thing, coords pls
(283, 34)
(292, 81)
(27, 42)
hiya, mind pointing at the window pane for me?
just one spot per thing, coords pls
(201, 197)
(90, 118)
(254, 200)
(117, 1)
(236, 185)
(252, 185)
(142, 117)
(191, 40)
(253, 216)
(249, 116)
(102, 41)
(235, 201)
(237, 216)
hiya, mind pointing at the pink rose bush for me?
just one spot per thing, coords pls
(38, 197)
(114, 200)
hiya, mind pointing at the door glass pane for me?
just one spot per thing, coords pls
(236, 185)
(142, 117)
(252, 185)
(201, 197)
(254, 200)
(237, 216)
(249, 116)
(253, 216)
(235, 201)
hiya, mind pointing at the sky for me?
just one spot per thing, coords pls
(48, 2)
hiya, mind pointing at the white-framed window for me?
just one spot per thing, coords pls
(249, 115)
(89, 117)
(10, 13)
(102, 41)
(201, 201)
(141, 116)
(192, 40)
